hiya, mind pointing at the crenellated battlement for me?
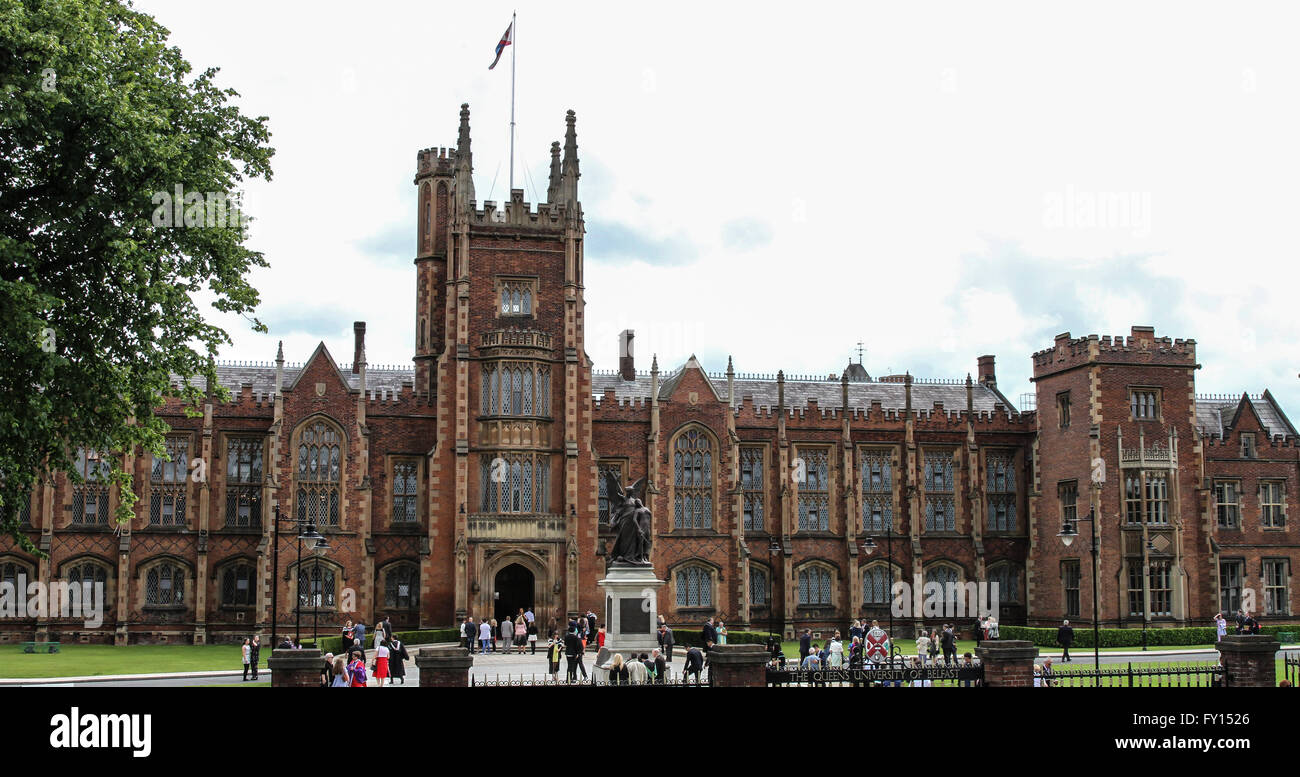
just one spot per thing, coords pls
(518, 213)
(1140, 347)
(435, 161)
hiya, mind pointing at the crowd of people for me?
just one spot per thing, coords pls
(516, 633)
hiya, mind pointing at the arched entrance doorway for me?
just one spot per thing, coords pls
(513, 588)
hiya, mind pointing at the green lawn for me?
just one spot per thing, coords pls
(87, 660)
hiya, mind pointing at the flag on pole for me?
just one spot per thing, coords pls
(506, 40)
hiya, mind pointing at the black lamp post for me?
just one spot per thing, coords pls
(773, 551)
(306, 533)
(1146, 590)
(1068, 532)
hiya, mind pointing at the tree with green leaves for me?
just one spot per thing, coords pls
(115, 162)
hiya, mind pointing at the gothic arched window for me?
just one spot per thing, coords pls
(402, 587)
(237, 585)
(694, 587)
(165, 585)
(316, 585)
(319, 474)
(815, 586)
(876, 585)
(693, 481)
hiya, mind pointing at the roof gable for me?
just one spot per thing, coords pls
(314, 367)
(690, 377)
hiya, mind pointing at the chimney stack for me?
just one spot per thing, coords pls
(626, 365)
(987, 375)
(359, 345)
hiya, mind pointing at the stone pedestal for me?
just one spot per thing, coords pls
(296, 668)
(1249, 660)
(444, 667)
(738, 666)
(631, 609)
(1008, 663)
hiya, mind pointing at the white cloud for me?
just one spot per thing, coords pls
(892, 152)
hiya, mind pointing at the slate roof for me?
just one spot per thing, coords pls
(261, 377)
(890, 395)
(1216, 415)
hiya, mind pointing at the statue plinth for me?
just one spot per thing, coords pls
(631, 608)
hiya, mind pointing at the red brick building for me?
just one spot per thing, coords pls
(469, 482)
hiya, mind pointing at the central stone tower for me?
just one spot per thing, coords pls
(499, 350)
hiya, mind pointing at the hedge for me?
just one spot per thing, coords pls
(688, 636)
(335, 644)
(1194, 635)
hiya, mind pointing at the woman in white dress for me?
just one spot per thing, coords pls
(836, 658)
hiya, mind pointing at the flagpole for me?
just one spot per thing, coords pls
(514, 44)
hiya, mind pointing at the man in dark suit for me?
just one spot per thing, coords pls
(1065, 638)
(694, 664)
(708, 634)
(949, 643)
(573, 653)
(805, 645)
(666, 641)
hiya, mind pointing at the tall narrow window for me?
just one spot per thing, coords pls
(1276, 590)
(692, 481)
(815, 586)
(1070, 582)
(1157, 498)
(758, 587)
(405, 491)
(877, 490)
(1247, 445)
(1001, 491)
(1063, 410)
(319, 474)
(940, 504)
(1227, 504)
(751, 486)
(1231, 574)
(1133, 498)
(1069, 496)
(90, 498)
(243, 482)
(815, 490)
(1272, 505)
(167, 484)
(603, 469)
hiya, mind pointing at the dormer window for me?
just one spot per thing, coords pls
(1247, 445)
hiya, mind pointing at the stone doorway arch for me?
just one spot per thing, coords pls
(530, 562)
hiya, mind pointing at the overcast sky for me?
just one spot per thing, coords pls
(778, 182)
